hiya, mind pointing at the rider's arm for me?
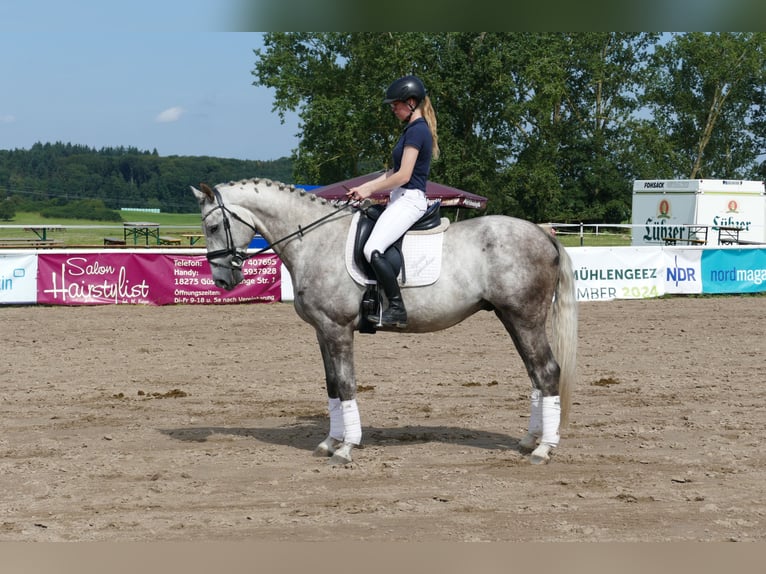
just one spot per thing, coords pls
(390, 179)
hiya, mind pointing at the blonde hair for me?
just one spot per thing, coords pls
(430, 116)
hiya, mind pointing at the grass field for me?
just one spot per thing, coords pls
(89, 232)
(595, 239)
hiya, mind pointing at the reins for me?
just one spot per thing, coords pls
(239, 256)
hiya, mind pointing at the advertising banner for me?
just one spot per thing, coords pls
(603, 273)
(148, 278)
(18, 278)
(155, 278)
(682, 270)
(734, 271)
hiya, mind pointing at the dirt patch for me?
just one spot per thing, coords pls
(665, 441)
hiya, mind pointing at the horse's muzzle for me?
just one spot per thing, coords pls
(227, 277)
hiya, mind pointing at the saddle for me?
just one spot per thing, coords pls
(431, 219)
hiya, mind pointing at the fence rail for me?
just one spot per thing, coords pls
(620, 234)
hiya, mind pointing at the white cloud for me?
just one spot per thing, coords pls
(7, 119)
(170, 115)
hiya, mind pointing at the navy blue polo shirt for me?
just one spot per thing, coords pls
(418, 135)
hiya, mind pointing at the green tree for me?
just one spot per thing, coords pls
(7, 209)
(572, 110)
(535, 122)
(706, 94)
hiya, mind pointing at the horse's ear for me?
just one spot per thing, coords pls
(207, 191)
(203, 194)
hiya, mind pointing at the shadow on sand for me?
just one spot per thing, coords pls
(309, 431)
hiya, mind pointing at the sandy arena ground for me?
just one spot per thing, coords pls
(186, 423)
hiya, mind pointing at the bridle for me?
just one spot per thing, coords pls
(239, 256)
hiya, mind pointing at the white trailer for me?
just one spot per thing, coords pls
(698, 209)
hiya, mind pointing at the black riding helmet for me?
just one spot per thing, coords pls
(405, 88)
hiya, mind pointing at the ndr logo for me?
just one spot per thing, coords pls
(678, 274)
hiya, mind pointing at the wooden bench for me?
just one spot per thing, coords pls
(674, 240)
(114, 242)
(193, 237)
(21, 242)
(728, 235)
(167, 240)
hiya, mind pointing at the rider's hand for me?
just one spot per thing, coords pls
(357, 193)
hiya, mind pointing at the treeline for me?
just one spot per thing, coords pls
(66, 180)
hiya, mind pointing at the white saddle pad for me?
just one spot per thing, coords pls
(422, 251)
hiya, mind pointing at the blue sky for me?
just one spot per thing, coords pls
(174, 76)
(161, 74)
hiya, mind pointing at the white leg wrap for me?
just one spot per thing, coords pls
(336, 419)
(535, 430)
(352, 424)
(536, 413)
(551, 414)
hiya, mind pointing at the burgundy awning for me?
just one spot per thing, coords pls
(450, 196)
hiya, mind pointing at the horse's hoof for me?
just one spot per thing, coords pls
(342, 454)
(528, 443)
(327, 447)
(541, 455)
(322, 451)
(336, 460)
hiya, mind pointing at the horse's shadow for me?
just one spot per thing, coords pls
(310, 430)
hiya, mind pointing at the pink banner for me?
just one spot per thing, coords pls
(149, 278)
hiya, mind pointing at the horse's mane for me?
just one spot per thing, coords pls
(256, 181)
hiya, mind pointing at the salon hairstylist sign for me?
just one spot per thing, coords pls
(149, 278)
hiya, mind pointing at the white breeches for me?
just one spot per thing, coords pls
(405, 207)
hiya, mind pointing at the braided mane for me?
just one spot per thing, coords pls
(282, 186)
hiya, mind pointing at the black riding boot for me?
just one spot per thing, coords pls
(396, 314)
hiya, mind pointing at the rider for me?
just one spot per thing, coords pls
(412, 155)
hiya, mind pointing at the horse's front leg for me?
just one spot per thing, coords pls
(345, 423)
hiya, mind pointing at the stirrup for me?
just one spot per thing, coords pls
(387, 321)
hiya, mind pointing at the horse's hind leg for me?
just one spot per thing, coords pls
(543, 439)
(531, 342)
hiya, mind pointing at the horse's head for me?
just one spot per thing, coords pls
(227, 233)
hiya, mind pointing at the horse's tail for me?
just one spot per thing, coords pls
(565, 330)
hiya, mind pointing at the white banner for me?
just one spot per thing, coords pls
(682, 270)
(18, 278)
(605, 273)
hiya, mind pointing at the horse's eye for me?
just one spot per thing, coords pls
(213, 229)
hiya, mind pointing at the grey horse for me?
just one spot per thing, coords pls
(492, 263)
